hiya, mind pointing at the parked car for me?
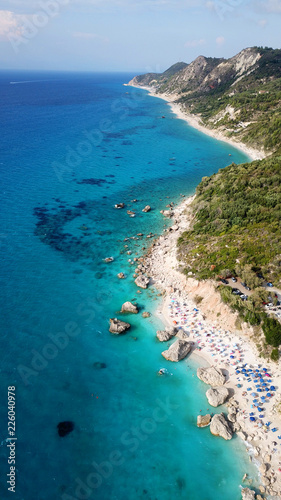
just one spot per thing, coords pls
(247, 287)
(269, 284)
(234, 279)
(243, 284)
(225, 282)
(243, 296)
(235, 291)
(259, 275)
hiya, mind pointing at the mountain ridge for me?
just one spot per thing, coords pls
(239, 96)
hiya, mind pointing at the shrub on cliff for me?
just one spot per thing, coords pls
(272, 331)
(274, 354)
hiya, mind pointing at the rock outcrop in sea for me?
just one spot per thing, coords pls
(220, 427)
(248, 494)
(177, 351)
(146, 314)
(167, 334)
(203, 420)
(211, 375)
(142, 281)
(217, 395)
(128, 307)
(117, 326)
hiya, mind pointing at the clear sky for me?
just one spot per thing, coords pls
(131, 35)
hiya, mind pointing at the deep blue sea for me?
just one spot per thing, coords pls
(73, 145)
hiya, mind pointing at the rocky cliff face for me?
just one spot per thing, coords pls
(191, 77)
(203, 74)
(231, 70)
(156, 79)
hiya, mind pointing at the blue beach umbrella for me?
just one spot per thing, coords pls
(259, 390)
(272, 388)
(253, 394)
(252, 419)
(251, 414)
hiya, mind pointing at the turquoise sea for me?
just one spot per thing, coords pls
(73, 145)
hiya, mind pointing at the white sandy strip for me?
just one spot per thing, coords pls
(163, 270)
(195, 122)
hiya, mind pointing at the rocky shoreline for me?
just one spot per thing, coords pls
(161, 266)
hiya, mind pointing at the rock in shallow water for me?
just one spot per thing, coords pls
(146, 314)
(129, 308)
(212, 376)
(248, 494)
(220, 427)
(167, 334)
(147, 208)
(117, 326)
(177, 351)
(217, 395)
(142, 281)
(65, 428)
(203, 420)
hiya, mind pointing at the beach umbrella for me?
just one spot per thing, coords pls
(255, 400)
(252, 419)
(259, 409)
(253, 394)
(268, 394)
(251, 414)
(231, 357)
(265, 369)
(272, 388)
(259, 390)
(263, 384)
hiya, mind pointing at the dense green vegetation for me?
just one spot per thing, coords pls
(237, 231)
(237, 223)
(272, 331)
